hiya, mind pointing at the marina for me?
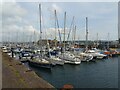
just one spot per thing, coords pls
(99, 74)
(102, 72)
(57, 54)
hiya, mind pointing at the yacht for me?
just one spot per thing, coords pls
(85, 57)
(39, 62)
(96, 55)
(70, 58)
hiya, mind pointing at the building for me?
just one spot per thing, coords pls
(119, 22)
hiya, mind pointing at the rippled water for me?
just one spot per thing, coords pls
(99, 74)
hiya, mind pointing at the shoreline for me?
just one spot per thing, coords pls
(16, 75)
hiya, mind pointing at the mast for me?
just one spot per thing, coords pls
(79, 41)
(119, 23)
(64, 29)
(31, 38)
(55, 31)
(34, 37)
(23, 37)
(40, 21)
(108, 40)
(17, 37)
(40, 40)
(58, 27)
(97, 41)
(74, 35)
(73, 28)
(86, 33)
(70, 28)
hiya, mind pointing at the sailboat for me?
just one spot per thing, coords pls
(38, 60)
(67, 56)
(96, 54)
(70, 58)
(92, 52)
(54, 59)
(85, 56)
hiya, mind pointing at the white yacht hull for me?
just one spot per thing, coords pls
(69, 58)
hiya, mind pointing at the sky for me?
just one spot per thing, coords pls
(20, 20)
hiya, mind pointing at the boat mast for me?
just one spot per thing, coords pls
(64, 30)
(74, 37)
(58, 27)
(74, 34)
(48, 45)
(23, 37)
(70, 28)
(97, 41)
(17, 37)
(55, 31)
(108, 40)
(34, 37)
(40, 40)
(86, 33)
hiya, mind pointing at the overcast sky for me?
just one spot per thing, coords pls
(20, 20)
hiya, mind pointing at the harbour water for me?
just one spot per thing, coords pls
(99, 74)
